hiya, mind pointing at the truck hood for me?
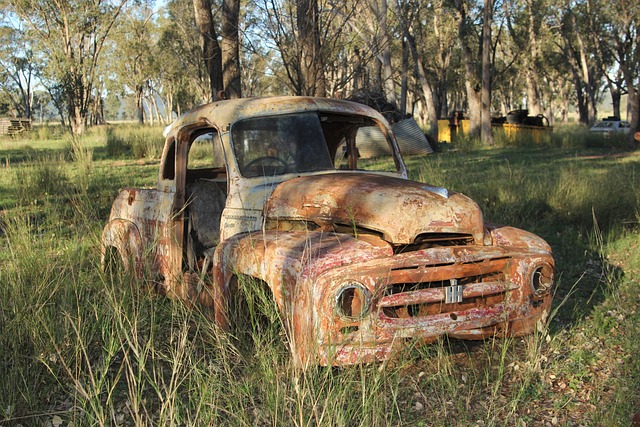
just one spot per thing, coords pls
(399, 209)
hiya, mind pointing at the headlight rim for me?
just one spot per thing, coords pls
(540, 288)
(366, 300)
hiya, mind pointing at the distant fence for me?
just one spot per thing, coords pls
(10, 126)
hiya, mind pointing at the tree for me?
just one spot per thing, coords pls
(71, 34)
(231, 74)
(133, 53)
(468, 38)
(181, 71)
(311, 70)
(427, 87)
(376, 32)
(17, 69)
(578, 25)
(487, 19)
(624, 43)
(211, 51)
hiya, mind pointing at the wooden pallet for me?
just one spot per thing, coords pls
(9, 126)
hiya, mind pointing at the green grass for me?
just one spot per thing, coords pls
(78, 345)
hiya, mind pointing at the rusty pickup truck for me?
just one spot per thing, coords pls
(357, 258)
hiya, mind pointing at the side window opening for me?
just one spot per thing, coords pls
(169, 167)
(365, 148)
(206, 157)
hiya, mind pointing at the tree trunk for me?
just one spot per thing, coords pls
(472, 84)
(385, 57)
(405, 78)
(634, 102)
(77, 120)
(585, 87)
(231, 49)
(532, 75)
(616, 97)
(475, 106)
(211, 51)
(311, 71)
(427, 89)
(486, 135)
(139, 105)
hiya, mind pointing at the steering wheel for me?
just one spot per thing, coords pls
(264, 159)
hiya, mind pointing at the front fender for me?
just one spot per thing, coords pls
(289, 262)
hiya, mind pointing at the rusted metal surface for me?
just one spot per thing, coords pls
(376, 203)
(357, 262)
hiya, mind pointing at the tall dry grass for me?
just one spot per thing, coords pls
(90, 348)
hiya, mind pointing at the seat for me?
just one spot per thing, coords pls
(206, 201)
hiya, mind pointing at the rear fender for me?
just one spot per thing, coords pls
(125, 237)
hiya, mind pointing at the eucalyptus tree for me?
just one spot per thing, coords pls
(230, 46)
(18, 69)
(525, 21)
(211, 51)
(474, 32)
(295, 29)
(260, 58)
(407, 13)
(623, 40)
(487, 73)
(579, 28)
(71, 35)
(310, 56)
(436, 31)
(372, 21)
(181, 71)
(133, 53)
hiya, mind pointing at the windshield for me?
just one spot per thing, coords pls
(280, 144)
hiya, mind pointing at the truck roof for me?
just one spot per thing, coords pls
(222, 113)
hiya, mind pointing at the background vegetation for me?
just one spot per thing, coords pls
(80, 347)
(87, 62)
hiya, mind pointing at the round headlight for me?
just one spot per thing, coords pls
(541, 279)
(353, 301)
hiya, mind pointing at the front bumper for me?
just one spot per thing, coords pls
(464, 292)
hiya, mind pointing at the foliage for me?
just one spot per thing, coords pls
(69, 36)
(552, 57)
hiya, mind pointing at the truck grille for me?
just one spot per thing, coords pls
(478, 284)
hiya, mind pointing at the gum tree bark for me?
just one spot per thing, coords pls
(311, 71)
(231, 49)
(485, 128)
(212, 54)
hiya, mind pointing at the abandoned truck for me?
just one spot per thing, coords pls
(358, 259)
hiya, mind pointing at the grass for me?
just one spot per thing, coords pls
(84, 347)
